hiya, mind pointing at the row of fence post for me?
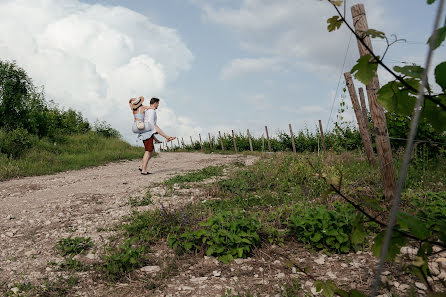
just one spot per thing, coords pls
(165, 145)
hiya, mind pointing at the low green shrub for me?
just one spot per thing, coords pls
(152, 225)
(74, 246)
(123, 259)
(225, 235)
(323, 228)
(16, 142)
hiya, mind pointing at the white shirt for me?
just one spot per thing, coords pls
(150, 119)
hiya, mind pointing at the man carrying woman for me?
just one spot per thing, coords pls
(145, 124)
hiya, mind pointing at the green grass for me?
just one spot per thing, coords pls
(278, 191)
(74, 152)
(196, 176)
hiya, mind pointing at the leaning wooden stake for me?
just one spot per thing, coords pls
(322, 136)
(201, 143)
(267, 137)
(379, 119)
(364, 108)
(363, 130)
(250, 141)
(221, 141)
(210, 141)
(191, 142)
(235, 143)
(292, 139)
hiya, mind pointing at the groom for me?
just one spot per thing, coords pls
(150, 118)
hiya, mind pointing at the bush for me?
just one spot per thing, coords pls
(104, 129)
(225, 235)
(323, 228)
(14, 143)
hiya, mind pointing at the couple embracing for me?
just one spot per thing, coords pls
(146, 128)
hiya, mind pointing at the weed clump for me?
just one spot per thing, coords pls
(225, 235)
(73, 246)
(323, 228)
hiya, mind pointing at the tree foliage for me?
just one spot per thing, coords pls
(25, 114)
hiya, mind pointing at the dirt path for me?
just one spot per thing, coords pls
(36, 212)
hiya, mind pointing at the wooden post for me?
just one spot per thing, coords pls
(191, 142)
(379, 118)
(365, 116)
(322, 136)
(363, 130)
(221, 141)
(210, 141)
(292, 139)
(201, 143)
(235, 143)
(267, 137)
(182, 142)
(250, 141)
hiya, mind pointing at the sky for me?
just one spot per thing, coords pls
(216, 65)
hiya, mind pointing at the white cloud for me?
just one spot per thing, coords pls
(240, 67)
(258, 101)
(294, 30)
(93, 58)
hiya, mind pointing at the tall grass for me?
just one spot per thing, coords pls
(72, 152)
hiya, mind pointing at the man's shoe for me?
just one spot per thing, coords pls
(146, 173)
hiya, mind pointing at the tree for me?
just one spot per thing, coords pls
(15, 90)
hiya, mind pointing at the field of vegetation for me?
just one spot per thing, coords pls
(37, 137)
(282, 201)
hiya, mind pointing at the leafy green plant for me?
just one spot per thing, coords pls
(123, 259)
(225, 235)
(323, 228)
(73, 246)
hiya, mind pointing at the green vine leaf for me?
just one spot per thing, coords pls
(440, 75)
(396, 243)
(334, 23)
(412, 71)
(434, 114)
(413, 224)
(375, 34)
(441, 35)
(365, 69)
(395, 99)
(336, 2)
(430, 2)
(358, 234)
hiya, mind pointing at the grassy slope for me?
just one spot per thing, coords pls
(76, 152)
